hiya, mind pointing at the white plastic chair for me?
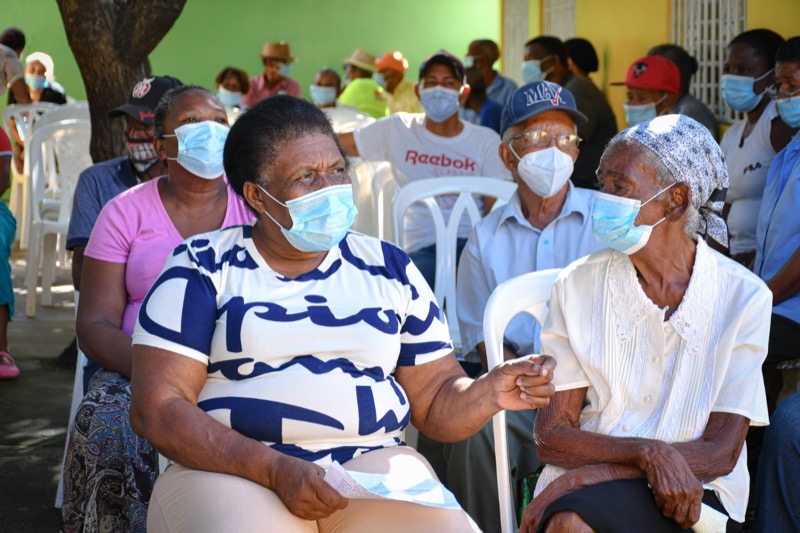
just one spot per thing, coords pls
(384, 189)
(361, 174)
(425, 191)
(25, 116)
(77, 396)
(73, 111)
(529, 293)
(58, 153)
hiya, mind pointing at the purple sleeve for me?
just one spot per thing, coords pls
(113, 233)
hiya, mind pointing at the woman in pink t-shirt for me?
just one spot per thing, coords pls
(110, 471)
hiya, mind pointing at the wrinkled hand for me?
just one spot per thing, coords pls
(533, 513)
(677, 491)
(300, 487)
(568, 482)
(523, 383)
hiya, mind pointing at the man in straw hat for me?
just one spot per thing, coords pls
(361, 90)
(278, 59)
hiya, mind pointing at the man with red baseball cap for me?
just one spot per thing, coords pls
(653, 83)
(399, 95)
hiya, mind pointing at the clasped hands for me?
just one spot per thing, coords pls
(523, 383)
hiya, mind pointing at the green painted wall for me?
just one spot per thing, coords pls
(211, 34)
(44, 32)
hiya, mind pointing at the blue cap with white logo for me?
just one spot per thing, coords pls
(538, 97)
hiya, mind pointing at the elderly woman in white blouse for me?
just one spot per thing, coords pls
(659, 342)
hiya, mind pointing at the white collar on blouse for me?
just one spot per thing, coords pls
(691, 320)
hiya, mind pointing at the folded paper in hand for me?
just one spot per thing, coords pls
(361, 485)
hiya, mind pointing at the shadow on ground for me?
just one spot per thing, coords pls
(34, 410)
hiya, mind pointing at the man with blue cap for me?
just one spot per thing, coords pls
(546, 224)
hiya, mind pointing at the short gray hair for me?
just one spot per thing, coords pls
(648, 159)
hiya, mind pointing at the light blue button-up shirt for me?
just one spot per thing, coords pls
(778, 230)
(501, 89)
(504, 245)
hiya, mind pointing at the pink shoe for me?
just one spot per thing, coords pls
(8, 368)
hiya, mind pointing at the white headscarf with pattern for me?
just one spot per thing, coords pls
(693, 157)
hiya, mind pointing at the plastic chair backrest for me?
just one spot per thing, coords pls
(74, 111)
(384, 188)
(58, 154)
(529, 293)
(25, 116)
(426, 191)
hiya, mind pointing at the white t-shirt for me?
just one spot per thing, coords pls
(304, 365)
(658, 379)
(10, 68)
(415, 153)
(748, 166)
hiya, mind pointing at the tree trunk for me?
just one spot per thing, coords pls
(111, 40)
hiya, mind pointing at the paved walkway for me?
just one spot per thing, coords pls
(34, 410)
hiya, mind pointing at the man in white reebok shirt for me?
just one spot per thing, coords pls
(433, 144)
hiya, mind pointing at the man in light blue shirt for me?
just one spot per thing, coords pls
(778, 263)
(547, 224)
(482, 54)
(778, 254)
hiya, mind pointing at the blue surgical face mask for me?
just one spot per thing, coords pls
(284, 69)
(322, 95)
(439, 103)
(532, 70)
(737, 91)
(469, 61)
(636, 114)
(200, 147)
(789, 110)
(612, 222)
(379, 79)
(229, 98)
(320, 219)
(37, 83)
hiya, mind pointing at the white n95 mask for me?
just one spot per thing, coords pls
(544, 171)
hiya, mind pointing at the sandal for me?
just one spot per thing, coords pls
(8, 368)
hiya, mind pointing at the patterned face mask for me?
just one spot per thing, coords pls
(141, 152)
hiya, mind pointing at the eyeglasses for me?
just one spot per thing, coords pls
(534, 139)
(777, 93)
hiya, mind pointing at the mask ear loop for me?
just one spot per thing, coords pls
(277, 202)
(656, 195)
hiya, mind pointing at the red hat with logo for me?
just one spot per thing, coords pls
(141, 104)
(653, 73)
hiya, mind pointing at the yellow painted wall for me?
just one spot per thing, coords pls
(621, 31)
(534, 18)
(781, 16)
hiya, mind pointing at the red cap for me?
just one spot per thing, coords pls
(653, 73)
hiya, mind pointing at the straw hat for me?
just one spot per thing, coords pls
(279, 50)
(361, 59)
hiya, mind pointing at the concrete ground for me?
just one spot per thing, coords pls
(34, 410)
